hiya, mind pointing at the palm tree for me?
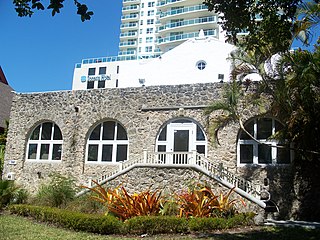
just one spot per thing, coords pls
(308, 19)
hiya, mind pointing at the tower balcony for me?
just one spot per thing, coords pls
(129, 26)
(127, 44)
(130, 17)
(130, 2)
(191, 11)
(127, 53)
(182, 37)
(189, 25)
(125, 35)
(130, 8)
(167, 4)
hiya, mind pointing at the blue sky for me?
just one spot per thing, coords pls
(39, 53)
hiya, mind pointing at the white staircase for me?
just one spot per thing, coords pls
(191, 160)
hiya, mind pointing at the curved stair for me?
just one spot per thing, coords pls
(192, 160)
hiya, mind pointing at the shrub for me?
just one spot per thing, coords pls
(214, 223)
(137, 225)
(57, 192)
(68, 219)
(7, 191)
(20, 196)
(84, 204)
(156, 225)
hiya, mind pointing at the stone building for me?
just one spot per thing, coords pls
(153, 137)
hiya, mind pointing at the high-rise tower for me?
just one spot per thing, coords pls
(151, 27)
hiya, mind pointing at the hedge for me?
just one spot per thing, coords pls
(101, 224)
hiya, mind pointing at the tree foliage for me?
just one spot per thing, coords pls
(296, 100)
(267, 21)
(26, 8)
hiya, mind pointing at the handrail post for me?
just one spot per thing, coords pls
(90, 182)
(194, 157)
(220, 167)
(120, 166)
(145, 155)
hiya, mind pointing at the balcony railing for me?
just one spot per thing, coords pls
(130, 16)
(122, 53)
(129, 25)
(185, 36)
(131, 7)
(211, 19)
(128, 43)
(162, 3)
(128, 34)
(183, 10)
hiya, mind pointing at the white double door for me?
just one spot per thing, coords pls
(181, 137)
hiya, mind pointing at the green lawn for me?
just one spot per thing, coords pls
(19, 228)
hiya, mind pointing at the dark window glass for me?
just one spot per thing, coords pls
(56, 153)
(90, 84)
(201, 149)
(117, 83)
(283, 155)
(101, 84)
(44, 151)
(95, 135)
(102, 70)
(163, 134)
(249, 128)
(200, 135)
(57, 133)
(92, 71)
(264, 128)
(246, 153)
(93, 152)
(118, 69)
(121, 153)
(32, 154)
(162, 148)
(107, 153)
(121, 133)
(182, 121)
(35, 134)
(264, 154)
(108, 131)
(46, 131)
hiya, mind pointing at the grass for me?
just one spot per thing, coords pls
(18, 228)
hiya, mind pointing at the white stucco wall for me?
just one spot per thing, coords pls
(177, 66)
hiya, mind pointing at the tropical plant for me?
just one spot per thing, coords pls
(296, 101)
(7, 192)
(196, 202)
(308, 19)
(123, 205)
(57, 192)
(226, 206)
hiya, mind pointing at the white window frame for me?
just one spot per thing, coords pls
(101, 142)
(39, 142)
(272, 142)
(188, 125)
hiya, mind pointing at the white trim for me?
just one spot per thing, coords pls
(272, 142)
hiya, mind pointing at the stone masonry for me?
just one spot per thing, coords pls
(142, 112)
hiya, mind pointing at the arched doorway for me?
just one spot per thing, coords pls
(181, 135)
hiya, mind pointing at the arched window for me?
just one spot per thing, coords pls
(268, 151)
(181, 135)
(108, 142)
(45, 142)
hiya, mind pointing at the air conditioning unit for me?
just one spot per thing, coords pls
(10, 176)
